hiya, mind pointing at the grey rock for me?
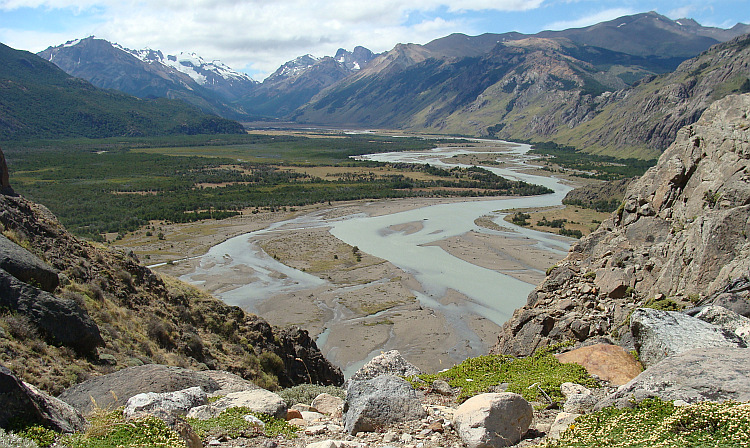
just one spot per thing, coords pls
(229, 382)
(258, 400)
(114, 390)
(62, 321)
(569, 389)
(328, 404)
(442, 387)
(659, 334)
(714, 374)
(580, 403)
(724, 318)
(25, 402)
(388, 363)
(561, 424)
(733, 301)
(493, 420)
(374, 403)
(174, 403)
(27, 267)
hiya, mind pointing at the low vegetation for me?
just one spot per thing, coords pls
(306, 393)
(590, 166)
(526, 376)
(120, 185)
(657, 423)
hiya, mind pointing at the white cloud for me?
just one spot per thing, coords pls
(590, 19)
(260, 35)
(682, 12)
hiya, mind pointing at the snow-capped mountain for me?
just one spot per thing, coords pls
(149, 73)
(297, 81)
(202, 72)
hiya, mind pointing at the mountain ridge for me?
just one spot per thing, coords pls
(40, 100)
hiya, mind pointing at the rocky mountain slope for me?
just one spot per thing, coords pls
(39, 100)
(295, 82)
(679, 238)
(211, 86)
(537, 89)
(123, 314)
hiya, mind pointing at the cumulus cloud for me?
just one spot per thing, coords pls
(258, 35)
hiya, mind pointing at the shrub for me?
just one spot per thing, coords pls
(478, 375)
(305, 393)
(110, 429)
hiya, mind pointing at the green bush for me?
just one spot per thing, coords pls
(305, 393)
(478, 375)
(232, 424)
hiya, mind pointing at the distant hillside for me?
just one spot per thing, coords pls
(37, 99)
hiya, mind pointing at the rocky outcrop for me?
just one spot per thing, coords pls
(680, 236)
(717, 374)
(5, 187)
(114, 390)
(24, 403)
(27, 267)
(62, 321)
(374, 403)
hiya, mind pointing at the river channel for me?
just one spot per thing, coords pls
(485, 293)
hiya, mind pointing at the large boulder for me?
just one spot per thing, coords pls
(608, 362)
(659, 334)
(388, 363)
(23, 402)
(372, 404)
(713, 374)
(114, 390)
(174, 403)
(258, 400)
(27, 267)
(62, 321)
(493, 420)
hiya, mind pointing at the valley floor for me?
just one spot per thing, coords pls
(367, 304)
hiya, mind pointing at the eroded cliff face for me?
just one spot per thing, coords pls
(681, 236)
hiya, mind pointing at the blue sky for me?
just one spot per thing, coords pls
(256, 36)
